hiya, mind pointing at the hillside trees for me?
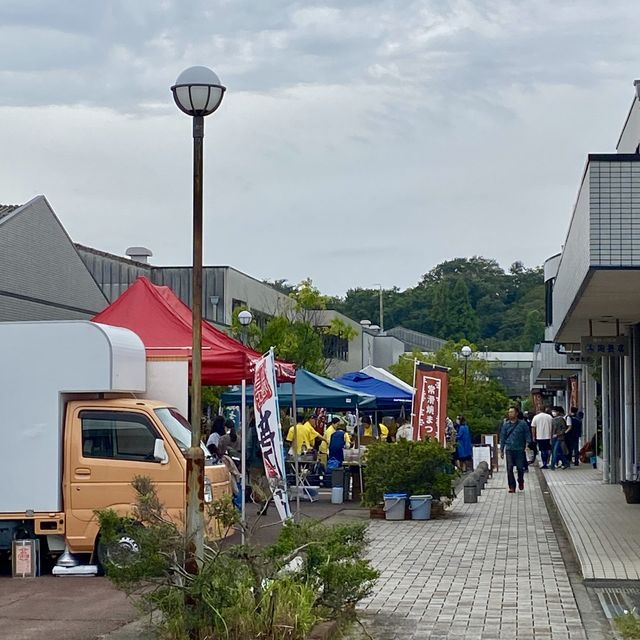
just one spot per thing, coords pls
(472, 298)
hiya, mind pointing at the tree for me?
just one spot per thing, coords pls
(487, 400)
(297, 335)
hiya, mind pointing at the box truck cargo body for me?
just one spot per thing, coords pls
(74, 433)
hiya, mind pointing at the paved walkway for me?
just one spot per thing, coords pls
(488, 571)
(601, 525)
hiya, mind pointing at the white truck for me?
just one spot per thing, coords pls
(75, 432)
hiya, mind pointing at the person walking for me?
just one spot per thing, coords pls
(464, 450)
(541, 425)
(559, 431)
(514, 437)
(573, 436)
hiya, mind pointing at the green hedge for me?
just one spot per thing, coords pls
(415, 468)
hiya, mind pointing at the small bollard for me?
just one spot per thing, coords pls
(470, 490)
(483, 468)
(479, 481)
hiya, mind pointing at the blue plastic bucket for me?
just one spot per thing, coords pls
(394, 504)
(420, 507)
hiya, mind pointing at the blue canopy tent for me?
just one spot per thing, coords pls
(388, 397)
(310, 391)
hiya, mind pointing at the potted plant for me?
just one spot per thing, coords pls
(631, 490)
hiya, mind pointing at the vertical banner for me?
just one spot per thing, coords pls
(574, 396)
(430, 402)
(265, 404)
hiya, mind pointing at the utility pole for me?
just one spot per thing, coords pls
(381, 322)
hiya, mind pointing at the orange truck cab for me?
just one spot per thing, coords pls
(75, 435)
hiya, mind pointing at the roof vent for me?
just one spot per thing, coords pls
(139, 254)
(636, 84)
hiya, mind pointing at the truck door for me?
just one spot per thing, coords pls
(109, 448)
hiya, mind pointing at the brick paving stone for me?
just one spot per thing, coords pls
(489, 571)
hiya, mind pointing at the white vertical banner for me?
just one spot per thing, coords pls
(267, 410)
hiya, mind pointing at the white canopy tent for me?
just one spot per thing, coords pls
(384, 375)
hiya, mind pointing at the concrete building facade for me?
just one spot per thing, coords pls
(593, 305)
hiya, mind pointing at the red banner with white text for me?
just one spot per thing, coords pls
(430, 403)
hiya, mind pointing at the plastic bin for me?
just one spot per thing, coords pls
(394, 504)
(420, 507)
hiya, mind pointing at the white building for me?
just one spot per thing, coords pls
(593, 305)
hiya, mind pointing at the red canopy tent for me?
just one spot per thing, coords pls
(163, 323)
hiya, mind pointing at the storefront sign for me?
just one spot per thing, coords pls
(430, 403)
(265, 404)
(604, 346)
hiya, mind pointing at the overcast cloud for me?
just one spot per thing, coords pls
(359, 141)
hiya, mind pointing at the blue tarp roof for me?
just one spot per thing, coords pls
(311, 391)
(387, 395)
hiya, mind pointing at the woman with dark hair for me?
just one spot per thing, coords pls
(217, 431)
(230, 443)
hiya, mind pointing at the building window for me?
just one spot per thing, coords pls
(335, 348)
(548, 303)
(236, 304)
(117, 435)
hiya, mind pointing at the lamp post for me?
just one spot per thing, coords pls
(245, 318)
(198, 93)
(465, 352)
(364, 324)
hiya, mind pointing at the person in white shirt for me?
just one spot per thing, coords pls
(541, 425)
(405, 431)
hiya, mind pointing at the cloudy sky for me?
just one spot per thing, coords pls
(360, 141)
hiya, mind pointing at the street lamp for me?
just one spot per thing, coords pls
(364, 324)
(198, 93)
(245, 318)
(465, 352)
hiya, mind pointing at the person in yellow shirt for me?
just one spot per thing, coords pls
(367, 430)
(308, 437)
(383, 430)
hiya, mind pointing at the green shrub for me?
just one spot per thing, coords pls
(628, 625)
(241, 591)
(417, 468)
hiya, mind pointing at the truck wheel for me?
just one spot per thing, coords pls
(122, 552)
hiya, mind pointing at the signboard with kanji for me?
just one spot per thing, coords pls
(430, 403)
(604, 346)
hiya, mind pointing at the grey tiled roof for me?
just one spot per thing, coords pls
(6, 209)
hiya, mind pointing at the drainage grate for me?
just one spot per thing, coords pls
(616, 601)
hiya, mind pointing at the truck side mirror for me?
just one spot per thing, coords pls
(159, 451)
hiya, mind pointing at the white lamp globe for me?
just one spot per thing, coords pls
(466, 351)
(245, 317)
(198, 91)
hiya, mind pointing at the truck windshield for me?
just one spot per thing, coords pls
(179, 428)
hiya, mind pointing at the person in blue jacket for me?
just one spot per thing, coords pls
(463, 444)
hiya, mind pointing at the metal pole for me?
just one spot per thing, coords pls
(362, 348)
(195, 455)
(243, 457)
(381, 311)
(464, 406)
(296, 458)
